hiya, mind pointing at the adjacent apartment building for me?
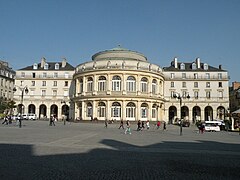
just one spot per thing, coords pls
(7, 76)
(195, 91)
(43, 89)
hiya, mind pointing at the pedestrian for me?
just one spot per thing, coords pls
(128, 129)
(106, 123)
(158, 124)
(5, 120)
(148, 124)
(121, 125)
(20, 121)
(139, 125)
(143, 126)
(164, 126)
(52, 119)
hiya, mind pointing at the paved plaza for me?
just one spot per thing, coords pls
(91, 151)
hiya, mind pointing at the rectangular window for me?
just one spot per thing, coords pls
(101, 85)
(172, 75)
(220, 94)
(33, 83)
(33, 75)
(184, 75)
(196, 94)
(89, 86)
(195, 76)
(44, 83)
(196, 84)
(102, 110)
(66, 83)
(144, 87)
(207, 76)
(154, 113)
(22, 74)
(154, 87)
(55, 74)
(65, 93)
(144, 112)
(172, 84)
(208, 84)
(66, 75)
(184, 84)
(219, 84)
(55, 83)
(54, 92)
(44, 75)
(116, 85)
(208, 94)
(219, 75)
(43, 93)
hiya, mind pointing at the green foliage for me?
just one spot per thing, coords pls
(6, 106)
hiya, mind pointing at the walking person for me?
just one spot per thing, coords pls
(20, 121)
(148, 124)
(164, 126)
(128, 129)
(5, 120)
(121, 125)
(106, 123)
(158, 124)
(139, 125)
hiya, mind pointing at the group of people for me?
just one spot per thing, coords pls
(8, 120)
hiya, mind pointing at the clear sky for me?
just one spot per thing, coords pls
(160, 29)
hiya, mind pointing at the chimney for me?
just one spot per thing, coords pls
(198, 62)
(220, 66)
(175, 62)
(64, 62)
(43, 62)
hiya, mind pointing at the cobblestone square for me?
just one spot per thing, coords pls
(91, 151)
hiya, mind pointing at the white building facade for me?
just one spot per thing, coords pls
(44, 89)
(202, 91)
(119, 84)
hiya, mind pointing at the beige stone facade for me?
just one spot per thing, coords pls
(119, 84)
(49, 85)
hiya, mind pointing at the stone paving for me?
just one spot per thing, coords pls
(91, 151)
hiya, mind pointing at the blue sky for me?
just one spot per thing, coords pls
(160, 29)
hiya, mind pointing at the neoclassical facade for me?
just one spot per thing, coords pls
(119, 84)
(202, 89)
(48, 85)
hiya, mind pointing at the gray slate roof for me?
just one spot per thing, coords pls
(51, 67)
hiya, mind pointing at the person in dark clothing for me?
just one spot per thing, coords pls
(5, 120)
(164, 126)
(139, 125)
(121, 125)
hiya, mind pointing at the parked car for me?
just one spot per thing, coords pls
(32, 116)
(25, 116)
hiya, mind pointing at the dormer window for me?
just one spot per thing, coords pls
(56, 66)
(46, 66)
(205, 66)
(194, 66)
(182, 66)
(35, 66)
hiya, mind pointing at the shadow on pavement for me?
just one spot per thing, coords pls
(167, 160)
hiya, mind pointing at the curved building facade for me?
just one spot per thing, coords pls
(119, 84)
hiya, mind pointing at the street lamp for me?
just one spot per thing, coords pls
(22, 90)
(178, 96)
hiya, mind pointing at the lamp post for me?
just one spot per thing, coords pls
(22, 90)
(179, 97)
(64, 111)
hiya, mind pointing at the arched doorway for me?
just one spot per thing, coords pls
(131, 111)
(221, 113)
(89, 110)
(21, 109)
(54, 110)
(208, 113)
(101, 110)
(172, 114)
(42, 111)
(184, 113)
(31, 109)
(196, 114)
(144, 112)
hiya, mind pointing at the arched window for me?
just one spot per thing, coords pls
(116, 110)
(56, 66)
(46, 66)
(101, 109)
(144, 110)
(182, 66)
(102, 83)
(154, 86)
(116, 83)
(131, 84)
(205, 66)
(89, 110)
(130, 110)
(194, 66)
(144, 85)
(90, 84)
(154, 111)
